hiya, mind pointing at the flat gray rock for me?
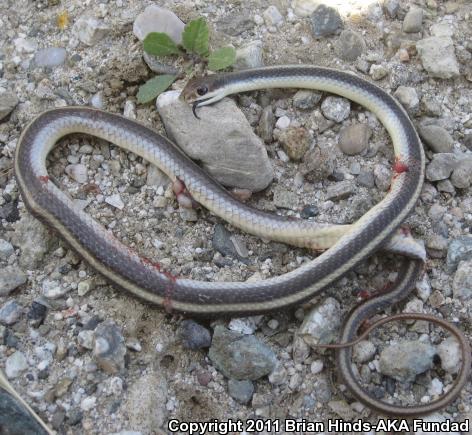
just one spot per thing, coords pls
(222, 140)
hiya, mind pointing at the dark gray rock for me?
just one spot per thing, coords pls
(325, 21)
(223, 243)
(109, 347)
(194, 336)
(349, 46)
(36, 314)
(15, 419)
(241, 391)
(240, 356)
(266, 124)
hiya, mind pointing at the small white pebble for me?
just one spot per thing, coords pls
(283, 122)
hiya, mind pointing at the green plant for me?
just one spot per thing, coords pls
(194, 49)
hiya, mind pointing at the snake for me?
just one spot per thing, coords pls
(349, 245)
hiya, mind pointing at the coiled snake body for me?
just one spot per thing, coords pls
(350, 244)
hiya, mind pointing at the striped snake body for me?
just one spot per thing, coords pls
(350, 244)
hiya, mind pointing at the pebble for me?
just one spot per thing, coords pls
(249, 56)
(306, 100)
(341, 408)
(340, 190)
(16, 419)
(325, 21)
(109, 347)
(462, 174)
(441, 29)
(265, 128)
(318, 164)
(222, 242)
(283, 122)
(336, 109)
(460, 249)
(408, 98)
(321, 324)
(6, 249)
(438, 57)
(284, 198)
(157, 19)
(88, 403)
(391, 7)
(404, 360)
(8, 101)
(85, 339)
(54, 289)
(304, 8)
(450, 354)
(309, 211)
(10, 313)
(462, 283)
(366, 179)
(242, 150)
(349, 46)
(279, 375)
(382, 177)
(363, 351)
(194, 336)
(413, 20)
(272, 16)
(441, 166)
(15, 365)
(295, 141)
(316, 367)
(77, 172)
(436, 138)
(50, 57)
(33, 240)
(25, 45)
(354, 139)
(11, 277)
(244, 325)
(115, 201)
(378, 72)
(241, 391)
(37, 314)
(97, 100)
(90, 30)
(241, 357)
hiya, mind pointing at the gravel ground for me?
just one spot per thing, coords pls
(90, 359)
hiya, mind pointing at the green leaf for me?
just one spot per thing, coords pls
(160, 44)
(221, 58)
(195, 37)
(153, 87)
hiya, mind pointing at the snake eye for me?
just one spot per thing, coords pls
(202, 90)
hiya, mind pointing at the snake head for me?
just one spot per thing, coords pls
(201, 91)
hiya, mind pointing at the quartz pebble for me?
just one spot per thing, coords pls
(50, 57)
